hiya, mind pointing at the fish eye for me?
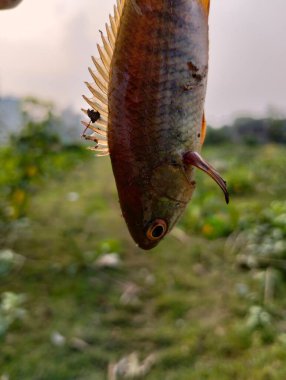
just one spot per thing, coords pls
(156, 230)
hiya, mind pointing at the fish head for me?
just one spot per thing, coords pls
(152, 208)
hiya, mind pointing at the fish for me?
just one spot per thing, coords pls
(149, 88)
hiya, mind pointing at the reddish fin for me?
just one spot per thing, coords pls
(193, 158)
(204, 129)
(206, 5)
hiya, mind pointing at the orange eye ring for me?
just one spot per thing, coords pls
(156, 230)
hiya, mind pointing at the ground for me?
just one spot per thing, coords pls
(187, 303)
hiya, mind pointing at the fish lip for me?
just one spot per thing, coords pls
(144, 243)
(147, 246)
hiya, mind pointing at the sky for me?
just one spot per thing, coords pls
(45, 49)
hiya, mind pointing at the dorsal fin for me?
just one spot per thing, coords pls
(99, 88)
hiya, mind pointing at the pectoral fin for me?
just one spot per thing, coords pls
(206, 5)
(204, 129)
(193, 158)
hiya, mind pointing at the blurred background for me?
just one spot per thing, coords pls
(78, 300)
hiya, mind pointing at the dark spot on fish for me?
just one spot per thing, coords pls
(91, 138)
(197, 77)
(175, 163)
(93, 115)
(199, 135)
(192, 67)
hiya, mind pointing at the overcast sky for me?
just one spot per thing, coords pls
(45, 49)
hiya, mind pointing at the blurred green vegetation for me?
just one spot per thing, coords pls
(246, 130)
(35, 154)
(78, 297)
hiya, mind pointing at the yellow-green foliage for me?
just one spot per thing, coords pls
(33, 155)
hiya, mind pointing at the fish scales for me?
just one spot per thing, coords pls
(153, 118)
(149, 74)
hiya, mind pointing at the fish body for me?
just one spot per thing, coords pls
(157, 79)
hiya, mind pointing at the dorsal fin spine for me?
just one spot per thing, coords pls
(96, 94)
(116, 17)
(101, 69)
(110, 36)
(94, 127)
(100, 83)
(104, 57)
(99, 88)
(96, 106)
(113, 25)
(106, 45)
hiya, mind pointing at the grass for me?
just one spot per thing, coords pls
(190, 303)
